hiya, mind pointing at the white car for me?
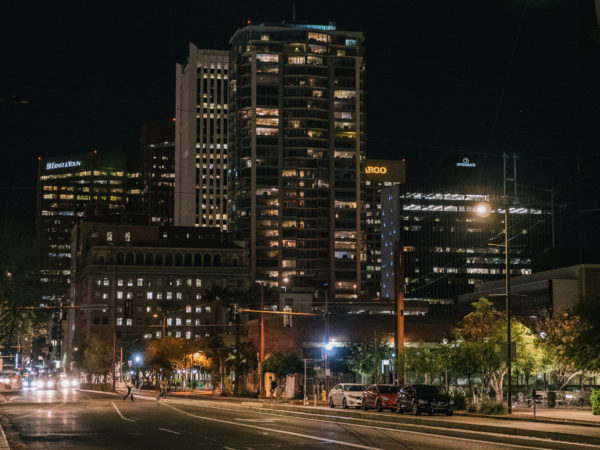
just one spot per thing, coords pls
(346, 395)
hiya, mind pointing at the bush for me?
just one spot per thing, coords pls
(492, 408)
(104, 387)
(472, 408)
(460, 401)
(246, 393)
(595, 401)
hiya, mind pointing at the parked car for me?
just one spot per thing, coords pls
(424, 398)
(380, 397)
(346, 395)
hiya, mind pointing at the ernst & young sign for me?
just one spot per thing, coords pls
(63, 165)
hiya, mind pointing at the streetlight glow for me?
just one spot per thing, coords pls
(482, 209)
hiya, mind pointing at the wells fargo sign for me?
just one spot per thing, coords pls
(381, 170)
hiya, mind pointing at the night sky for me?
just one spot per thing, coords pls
(474, 78)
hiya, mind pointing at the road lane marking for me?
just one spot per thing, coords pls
(41, 410)
(12, 398)
(169, 431)
(437, 431)
(272, 430)
(256, 420)
(119, 412)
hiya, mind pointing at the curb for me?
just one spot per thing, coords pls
(583, 423)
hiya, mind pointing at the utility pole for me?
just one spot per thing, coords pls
(399, 291)
(262, 340)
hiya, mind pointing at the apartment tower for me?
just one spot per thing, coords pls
(297, 146)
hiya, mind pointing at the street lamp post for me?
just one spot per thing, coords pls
(483, 210)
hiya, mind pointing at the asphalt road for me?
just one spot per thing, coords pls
(75, 419)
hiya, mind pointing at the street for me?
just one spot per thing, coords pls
(76, 419)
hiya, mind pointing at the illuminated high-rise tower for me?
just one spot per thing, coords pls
(297, 146)
(201, 139)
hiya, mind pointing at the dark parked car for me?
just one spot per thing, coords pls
(424, 398)
(380, 397)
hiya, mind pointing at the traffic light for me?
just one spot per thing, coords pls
(234, 313)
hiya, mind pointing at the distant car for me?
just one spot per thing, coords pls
(380, 397)
(346, 395)
(424, 398)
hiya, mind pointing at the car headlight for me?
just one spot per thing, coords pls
(64, 383)
(74, 383)
(49, 384)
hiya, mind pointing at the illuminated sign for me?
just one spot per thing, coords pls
(63, 165)
(466, 163)
(381, 170)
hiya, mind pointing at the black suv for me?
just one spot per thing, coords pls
(424, 398)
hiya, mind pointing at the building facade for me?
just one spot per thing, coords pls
(378, 173)
(201, 139)
(66, 186)
(158, 156)
(446, 248)
(143, 282)
(297, 146)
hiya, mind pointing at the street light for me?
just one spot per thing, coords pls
(484, 210)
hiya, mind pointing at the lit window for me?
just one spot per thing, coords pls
(140, 281)
(178, 321)
(109, 236)
(149, 295)
(188, 309)
(129, 322)
(188, 334)
(169, 322)
(178, 334)
(198, 309)
(119, 321)
(119, 295)
(127, 236)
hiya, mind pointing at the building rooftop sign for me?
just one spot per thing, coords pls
(63, 165)
(466, 163)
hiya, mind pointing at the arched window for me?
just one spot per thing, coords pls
(158, 261)
(178, 259)
(187, 260)
(139, 259)
(197, 259)
(169, 259)
(121, 259)
(129, 259)
(217, 260)
(207, 262)
(149, 259)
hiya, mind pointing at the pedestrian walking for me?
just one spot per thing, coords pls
(129, 386)
(163, 386)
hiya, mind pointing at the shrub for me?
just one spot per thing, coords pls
(595, 401)
(246, 393)
(472, 408)
(492, 408)
(460, 401)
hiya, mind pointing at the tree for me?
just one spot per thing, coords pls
(585, 347)
(20, 295)
(484, 333)
(423, 361)
(364, 357)
(558, 332)
(169, 353)
(282, 365)
(98, 355)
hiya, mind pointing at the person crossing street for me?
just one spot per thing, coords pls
(129, 386)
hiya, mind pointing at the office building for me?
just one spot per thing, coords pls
(146, 281)
(297, 146)
(201, 139)
(158, 171)
(378, 173)
(66, 186)
(446, 248)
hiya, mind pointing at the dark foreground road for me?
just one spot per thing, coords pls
(82, 420)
